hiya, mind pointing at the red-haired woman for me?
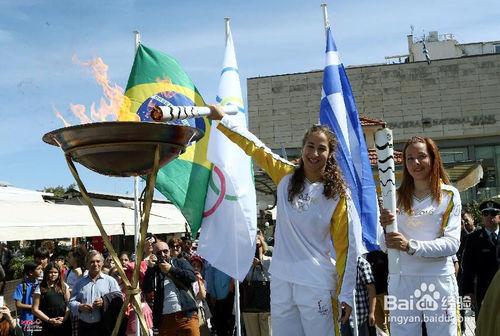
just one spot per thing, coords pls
(8, 324)
(50, 302)
(429, 235)
(314, 226)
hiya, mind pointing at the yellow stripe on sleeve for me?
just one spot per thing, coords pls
(446, 215)
(339, 230)
(272, 164)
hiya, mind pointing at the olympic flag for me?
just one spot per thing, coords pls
(338, 111)
(227, 235)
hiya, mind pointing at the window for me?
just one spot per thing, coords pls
(497, 48)
(456, 154)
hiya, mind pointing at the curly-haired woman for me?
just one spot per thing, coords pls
(317, 235)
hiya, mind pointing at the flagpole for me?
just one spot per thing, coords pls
(137, 39)
(354, 318)
(236, 281)
(325, 15)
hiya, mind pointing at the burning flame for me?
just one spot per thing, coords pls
(58, 114)
(114, 105)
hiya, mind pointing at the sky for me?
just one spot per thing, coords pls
(38, 40)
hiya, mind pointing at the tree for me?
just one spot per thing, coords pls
(58, 191)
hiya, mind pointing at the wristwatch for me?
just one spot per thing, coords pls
(412, 247)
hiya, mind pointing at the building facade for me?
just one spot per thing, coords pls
(455, 100)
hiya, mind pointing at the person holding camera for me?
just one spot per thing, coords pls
(174, 307)
(8, 325)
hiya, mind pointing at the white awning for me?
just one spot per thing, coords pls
(44, 220)
(466, 175)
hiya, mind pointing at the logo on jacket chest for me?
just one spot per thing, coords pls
(421, 217)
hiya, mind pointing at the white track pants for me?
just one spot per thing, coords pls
(298, 310)
(416, 299)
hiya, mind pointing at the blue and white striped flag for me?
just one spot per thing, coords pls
(338, 111)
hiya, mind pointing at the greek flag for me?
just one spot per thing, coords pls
(338, 111)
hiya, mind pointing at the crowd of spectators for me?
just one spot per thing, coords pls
(73, 294)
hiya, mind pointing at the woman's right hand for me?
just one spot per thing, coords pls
(386, 217)
(55, 321)
(216, 112)
(5, 311)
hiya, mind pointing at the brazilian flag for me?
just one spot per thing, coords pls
(158, 79)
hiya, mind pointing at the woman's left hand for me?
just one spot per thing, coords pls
(371, 319)
(396, 241)
(256, 262)
(346, 309)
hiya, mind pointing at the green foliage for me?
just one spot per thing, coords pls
(71, 186)
(473, 209)
(16, 266)
(59, 191)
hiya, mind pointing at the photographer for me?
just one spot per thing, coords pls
(8, 325)
(174, 306)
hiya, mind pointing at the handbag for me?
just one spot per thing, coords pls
(255, 295)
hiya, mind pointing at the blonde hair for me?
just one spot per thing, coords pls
(262, 242)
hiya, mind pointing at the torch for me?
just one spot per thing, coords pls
(162, 113)
(385, 154)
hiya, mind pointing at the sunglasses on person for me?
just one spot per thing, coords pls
(176, 246)
(491, 213)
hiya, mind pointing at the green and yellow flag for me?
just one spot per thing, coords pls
(157, 79)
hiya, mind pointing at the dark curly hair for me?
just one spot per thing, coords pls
(332, 177)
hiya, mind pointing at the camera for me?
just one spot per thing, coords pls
(161, 258)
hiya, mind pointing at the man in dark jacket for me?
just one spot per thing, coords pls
(174, 306)
(481, 256)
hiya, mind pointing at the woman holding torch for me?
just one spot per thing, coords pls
(317, 235)
(428, 218)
